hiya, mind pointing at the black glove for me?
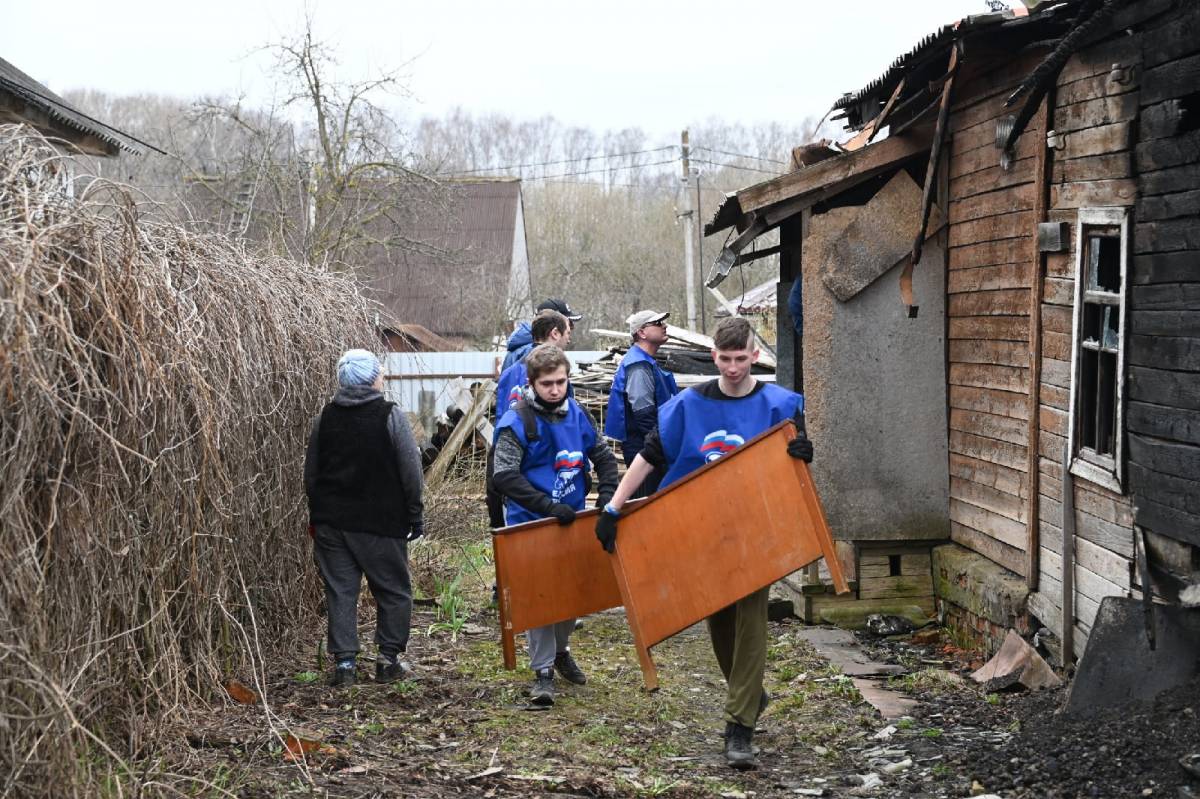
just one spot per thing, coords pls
(603, 500)
(564, 513)
(416, 529)
(800, 447)
(606, 531)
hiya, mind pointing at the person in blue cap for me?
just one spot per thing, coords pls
(522, 340)
(640, 387)
(701, 425)
(362, 475)
(545, 445)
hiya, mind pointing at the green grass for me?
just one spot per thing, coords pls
(307, 677)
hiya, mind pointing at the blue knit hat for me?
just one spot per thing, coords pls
(357, 368)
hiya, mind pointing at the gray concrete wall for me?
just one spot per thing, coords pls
(875, 390)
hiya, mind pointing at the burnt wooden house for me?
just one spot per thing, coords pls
(1000, 346)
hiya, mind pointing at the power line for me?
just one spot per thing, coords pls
(736, 166)
(604, 157)
(739, 155)
(597, 171)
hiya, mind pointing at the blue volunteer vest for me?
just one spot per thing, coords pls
(556, 463)
(695, 429)
(664, 389)
(510, 387)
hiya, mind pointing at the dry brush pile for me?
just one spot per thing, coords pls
(156, 389)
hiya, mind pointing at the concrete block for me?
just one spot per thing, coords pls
(984, 589)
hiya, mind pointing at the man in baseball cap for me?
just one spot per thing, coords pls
(639, 388)
(562, 307)
(521, 340)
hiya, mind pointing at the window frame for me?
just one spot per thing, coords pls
(1100, 469)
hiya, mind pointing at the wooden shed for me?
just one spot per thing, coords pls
(1049, 280)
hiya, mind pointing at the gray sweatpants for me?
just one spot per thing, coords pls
(343, 559)
(546, 642)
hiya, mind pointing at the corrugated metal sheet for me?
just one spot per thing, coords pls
(17, 83)
(408, 374)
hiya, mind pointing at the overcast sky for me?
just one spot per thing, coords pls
(648, 64)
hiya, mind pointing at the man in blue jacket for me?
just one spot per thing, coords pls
(548, 327)
(522, 340)
(545, 446)
(701, 425)
(640, 387)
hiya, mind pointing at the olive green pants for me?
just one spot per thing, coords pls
(739, 639)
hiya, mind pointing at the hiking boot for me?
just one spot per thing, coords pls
(391, 669)
(739, 751)
(344, 674)
(569, 669)
(542, 691)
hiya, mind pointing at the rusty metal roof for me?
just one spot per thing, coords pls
(17, 83)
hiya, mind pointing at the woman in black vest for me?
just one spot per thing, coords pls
(362, 474)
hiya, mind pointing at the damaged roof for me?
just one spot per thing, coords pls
(31, 93)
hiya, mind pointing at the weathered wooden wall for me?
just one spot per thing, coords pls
(991, 263)
(1163, 413)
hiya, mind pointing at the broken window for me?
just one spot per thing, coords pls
(1098, 374)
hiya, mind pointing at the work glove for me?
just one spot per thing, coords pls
(800, 447)
(606, 530)
(564, 513)
(603, 499)
(416, 529)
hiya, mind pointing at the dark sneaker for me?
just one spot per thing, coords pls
(739, 749)
(390, 670)
(542, 691)
(344, 674)
(569, 669)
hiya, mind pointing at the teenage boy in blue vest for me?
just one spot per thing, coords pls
(698, 426)
(640, 387)
(542, 476)
(362, 474)
(548, 327)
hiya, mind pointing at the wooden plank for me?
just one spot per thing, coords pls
(1000, 302)
(1167, 457)
(1171, 79)
(1167, 297)
(980, 108)
(1095, 112)
(1001, 353)
(1060, 264)
(1001, 201)
(988, 449)
(1165, 236)
(1007, 378)
(1179, 38)
(1165, 323)
(1100, 532)
(991, 179)
(916, 564)
(969, 161)
(997, 328)
(1049, 443)
(1160, 421)
(1092, 88)
(1097, 141)
(1056, 346)
(1057, 319)
(770, 533)
(994, 228)
(1167, 153)
(1098, 59)
(1056, 373)
(988, 253)
(1055, 396)
(1161, 120)
(984, 136)
(840, 171)
(895, 587)
(1169, 206)
(1009, 557)
(1170, 522)
(991, 475)
(1173, 267)
(1170, 181)
(990, 499)
(1089, 586)
(1056, 291)
(1176, 353)
(1164, 387)
(995, 401)
(1052, 420)
(1104, 563)
(1001, 428)
(988, 278)
(1173, 492)
(1109, 166)
(1094, 193)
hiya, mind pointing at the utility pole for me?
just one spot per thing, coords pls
(689, 218)
(700, 251)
